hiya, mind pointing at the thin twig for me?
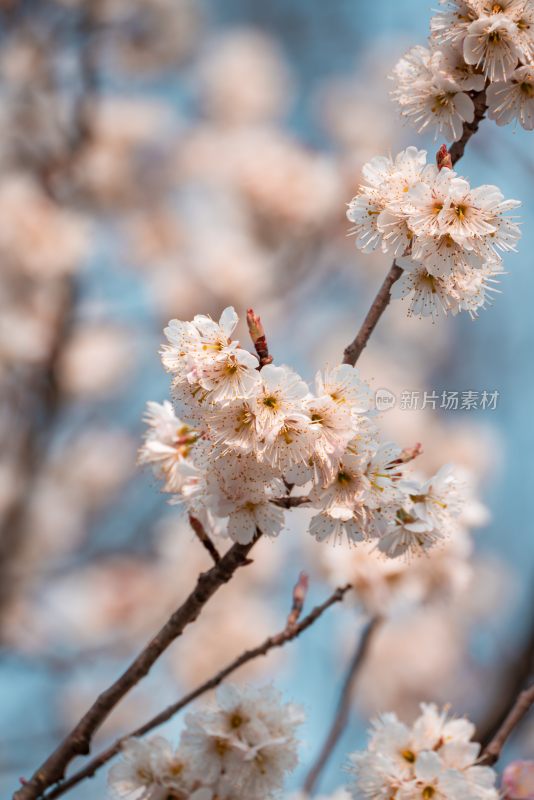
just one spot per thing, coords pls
(78, 741)
(520, 708)
(204, 538)
(341, 717)
(300, 591)
(290, 502)
(354, 350)
(517, 673)
(291, 631)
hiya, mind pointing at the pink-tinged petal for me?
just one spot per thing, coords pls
(518, 781)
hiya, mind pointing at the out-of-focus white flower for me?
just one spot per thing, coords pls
(96, 359)
(247, 742)
(38, 237)
(435, 758)
(152, 770)
(226, 96)
(134, 776)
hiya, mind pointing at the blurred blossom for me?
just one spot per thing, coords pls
(518, 781)
(95, 360)
(120, 162)
(36, 236)
(228, 99)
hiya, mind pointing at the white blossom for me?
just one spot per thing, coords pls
(247, 741)
(433, 759)
(513, 99)
(429, 294)
(168, 443)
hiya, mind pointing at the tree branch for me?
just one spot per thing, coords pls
(203, 537)
(341, 717)
(520, 708)
(291, 631)
(354, 350)
(78, 741)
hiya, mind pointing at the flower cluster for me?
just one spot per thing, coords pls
(245, 437)
(447, 236)
(243, 746)
(474, 44)
(435, 758)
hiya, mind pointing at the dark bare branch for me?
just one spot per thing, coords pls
(204, 538)
(291, 631)
(78, 741)
(339, 723)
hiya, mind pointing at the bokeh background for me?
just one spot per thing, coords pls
(161, 158)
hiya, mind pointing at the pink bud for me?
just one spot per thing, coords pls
(443, 158)
(518, 781)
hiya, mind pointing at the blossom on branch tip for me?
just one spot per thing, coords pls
(235, 467)
(447, 236)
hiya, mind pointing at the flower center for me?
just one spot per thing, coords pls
(271, 401)
(176, 768)
(236, 720)
(428, 792)
(409, 756)
(460, 212)
(343, 477)
(221, 746)
(144, 775)
(527, 88)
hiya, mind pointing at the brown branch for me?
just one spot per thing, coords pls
(290, 502)
(354, 350)
(290, 632)
(203, 537)
(341, 717)
(515, 675)
(300, 591)
(520, 708)
(457, 150)
(78, 741)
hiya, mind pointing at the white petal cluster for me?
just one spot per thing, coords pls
(242, 746)
(473, 44)
(448, 237)
(241, 442)
(434, 759)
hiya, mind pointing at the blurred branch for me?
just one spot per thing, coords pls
(203, 537)
(42, 388)
(515, 677)
(341, 718)
(291, 631)
(354, 350)
(520, 708)
(78, 741)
